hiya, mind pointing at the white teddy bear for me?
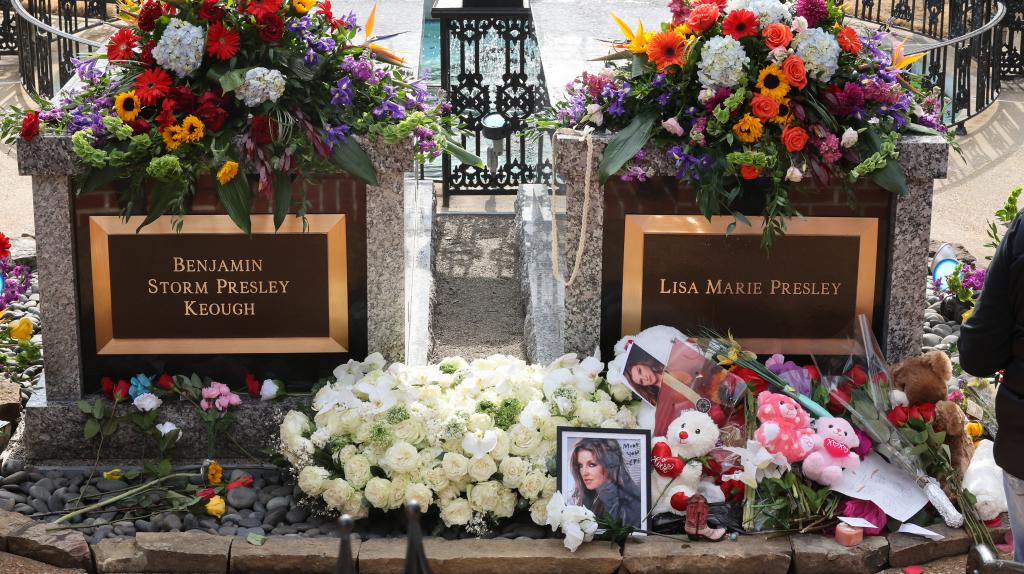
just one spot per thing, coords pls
(676, 461)
(984, 479)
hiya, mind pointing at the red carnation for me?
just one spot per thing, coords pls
(748, 171)
(183, 98)
(152, 85)
(146, 56)
(121, 389)
(139, 126)
(260, 8)
(252, 385)
(108, 387)
(148, 15)
(260, 130)
(271, 28)
(211, 12)
(30, 126)
(221, 42)
(244, 481)
(122, 45)
(213, 117)
(740, 24)
(5, 246)
(166, 115)
(898, 416)
(165, 382)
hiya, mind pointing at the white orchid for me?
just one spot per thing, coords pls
(330, 396)
(758, 464)
(577, 522)
(479, 443)
(380, 394)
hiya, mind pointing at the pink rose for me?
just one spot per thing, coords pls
(672, 126)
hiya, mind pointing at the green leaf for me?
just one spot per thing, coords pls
(919, 449)
(97, 178)
(730, 228)
(92, 428)
(351, 157)
(85, 407)
(160, 199)
(924, 130)
(637, 68)
(282, 198)
(462, 154)
(98, 409)
(624, 145)
(231, 80)
(891, 178)
(236, 197)
(255, 539)
(741, 218)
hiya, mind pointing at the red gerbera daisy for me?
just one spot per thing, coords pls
(122, 45)
(152, 85)
(221, 42)
(740, 23)
(261, 7)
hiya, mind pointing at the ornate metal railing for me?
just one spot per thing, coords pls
(490, 63)
(1012, 37)
(47, 36)
(963, 43)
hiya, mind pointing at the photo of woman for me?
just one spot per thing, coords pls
(605, 470)
(643, 374)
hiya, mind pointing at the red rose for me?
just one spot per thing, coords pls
(213, 117)
(915, 413)
(838, 397)
(139, 126)
(749, 171)
(898, 416)
(927, 411)
(271, 28)
(755, 383)
(733, 490)
(252, 385)
(5, 246)
(857, 375)
(108, 387)
(702, 17)
(794, 138)
(712, 467)
(244, 481)
(796, 75)
(206, 493)
(121, 389)
(764, 107)
(165, 382)
(813, 372)
(30, 126)
(211, 12)
(260, 130)
(776, 36)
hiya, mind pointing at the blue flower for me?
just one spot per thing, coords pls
(140, 386)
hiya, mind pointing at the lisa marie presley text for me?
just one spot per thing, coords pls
(773, 287)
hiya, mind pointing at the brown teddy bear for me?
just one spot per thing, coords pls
(922, 379)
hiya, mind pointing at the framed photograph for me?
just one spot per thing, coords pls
(607, 471)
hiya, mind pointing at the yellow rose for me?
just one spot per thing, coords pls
(974, 429)
(215, 507)
(214, 473)
(20, 329)
(113, 474)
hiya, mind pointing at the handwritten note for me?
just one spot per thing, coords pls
(892, 489)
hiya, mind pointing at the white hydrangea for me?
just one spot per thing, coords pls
(181, 47)
(722, 63)
(820, 53)
(261, 85)
(768, 11)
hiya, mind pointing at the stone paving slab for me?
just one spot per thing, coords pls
(287, 554)
(746, 555)
(494, 556)
(908, 550)
(12, 564)
(164, 552)
(39, 541)
(815, 554)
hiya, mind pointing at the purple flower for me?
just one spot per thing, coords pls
(689, 167)
(388, 107)
(973, 278)
(663, 98)
(299, 24)
(794, 375)
(658, 80)
(14, 281)
(311, 58)
(634, 173)
(335, 134)
(865, 445)
(813, 10)
(360, 69)
(617, 98)
(341, 93)
(86, 69)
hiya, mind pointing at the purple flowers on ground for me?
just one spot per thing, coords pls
(14, 281)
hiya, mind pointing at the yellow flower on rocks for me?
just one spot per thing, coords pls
(214, 473)
(113, 474)
(127, 105)
(748, 129)
(191, 130)
(227, 172)
(20, 329)
(215, 507)
(303, 6)
(967, 314)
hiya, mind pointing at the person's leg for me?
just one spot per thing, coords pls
(1015, 505)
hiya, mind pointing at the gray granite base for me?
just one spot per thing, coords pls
(923, 158)
(543, 295)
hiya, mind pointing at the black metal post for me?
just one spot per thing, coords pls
(415, 556)
(345, 565)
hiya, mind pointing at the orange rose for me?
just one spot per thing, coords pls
(776, 36)
(796, 75)
(848, 40)
(749, 171)
(702, 17)
(794, 138)
(764, 107)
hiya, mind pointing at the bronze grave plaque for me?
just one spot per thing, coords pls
(213, 289)
(684, 271)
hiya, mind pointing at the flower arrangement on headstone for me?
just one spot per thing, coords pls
(753, 97)
(267, 91)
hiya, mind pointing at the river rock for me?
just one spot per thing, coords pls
(242, 497)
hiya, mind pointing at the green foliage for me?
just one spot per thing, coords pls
(624, 144)
(1004, 215)
(504, 414)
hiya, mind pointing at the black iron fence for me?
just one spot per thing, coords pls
(46, 35)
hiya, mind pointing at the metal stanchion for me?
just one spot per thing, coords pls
(415, 557)
(345, 564)
(983, 561)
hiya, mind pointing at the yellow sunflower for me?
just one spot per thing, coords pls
(227, 172)
(748, 129)
(172, 137)
(772, 82)
(127, 105)
(303, 6)
(785, 115)
(192, 129)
